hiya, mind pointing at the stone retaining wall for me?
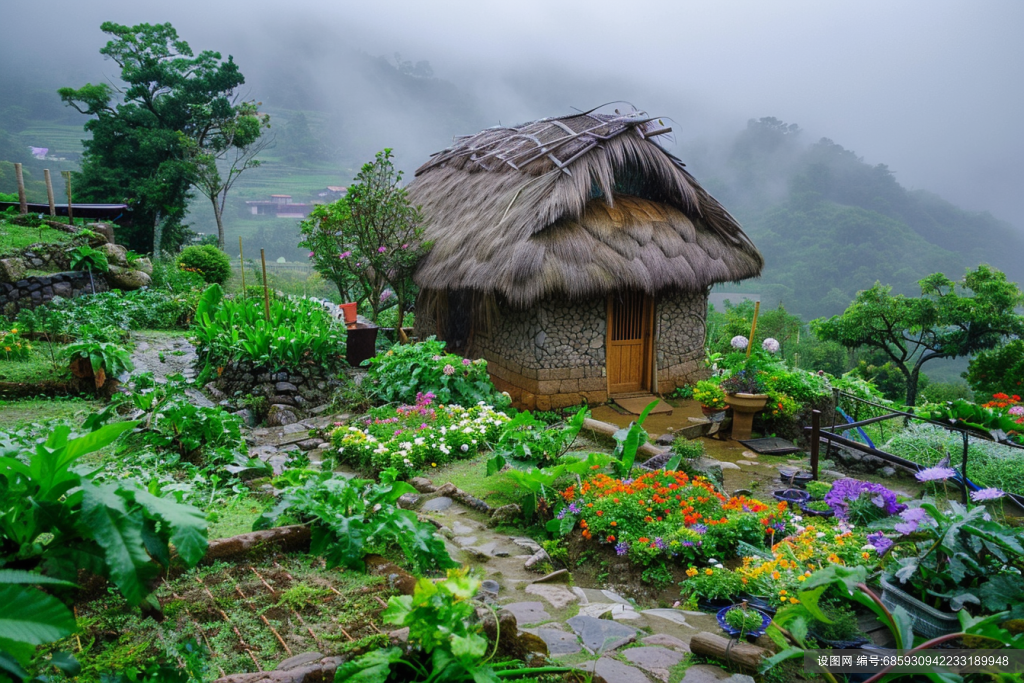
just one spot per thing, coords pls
(291, 393)
(38, 290)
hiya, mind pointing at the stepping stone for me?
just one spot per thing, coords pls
(709, 673)
(528, 612)
(617, 612)
(464, 541)
(615, 597)
(654, 660)
(602, 635)
(749, 454)
(461, 529)
(558, 573)
(611, 670)
(665, 640)
(439, 504)
(490, 586)
(558, 596)
(525, 543)
(673, 615)
(558, 642)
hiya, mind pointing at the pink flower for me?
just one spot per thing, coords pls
(405, 246)
(381, 250)
(448, 370)
(345, 254)
(311, 254)
(466, 361)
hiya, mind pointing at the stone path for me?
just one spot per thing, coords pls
(596, 630)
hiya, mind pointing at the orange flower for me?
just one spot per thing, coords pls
(689, 572)
(615, 523)
(600, 512)
(610, 538)
(709, 572)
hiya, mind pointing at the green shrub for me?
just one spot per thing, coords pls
(87, 258)
(300, 333)
(209, 261)
(688, 449)
(398, 375)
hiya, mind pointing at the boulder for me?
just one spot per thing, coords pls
(279, 416)
(145, 265)
(105, 229)
(122, 278)
(116, 254)
(12, 269)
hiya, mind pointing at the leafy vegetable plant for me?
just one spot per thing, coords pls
(351, 517)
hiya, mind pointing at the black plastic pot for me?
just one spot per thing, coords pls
(792, 496)
(361, 344)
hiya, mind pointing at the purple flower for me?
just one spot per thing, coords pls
(771, 345)
(699, 528)
(561, 513)
(1017, 411)
(880, 543)
(912, 519)
(658, 543)
(936, 474)
(738, 342)
(621, 548)
(779, 527)
(466, 361)
(846, 491)
(986, 494)
(574, 509)
(687, 544)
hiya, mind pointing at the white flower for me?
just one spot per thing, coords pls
(797, 518)
(820, 534)
(405, 446)
(738, 342)
(771, 345)
(464, 447)
(419, 441)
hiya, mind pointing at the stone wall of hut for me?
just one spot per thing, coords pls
(681, 319)
(552, 354)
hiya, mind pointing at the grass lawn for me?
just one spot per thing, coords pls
(16, 237)
(470, 476)
(36, 368)
(45, 410)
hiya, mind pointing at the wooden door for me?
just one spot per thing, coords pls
(630, 326)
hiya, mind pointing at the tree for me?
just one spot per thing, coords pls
(949, 319)
(223, 153)
(146, 150)
(998, 370)
(370, 240)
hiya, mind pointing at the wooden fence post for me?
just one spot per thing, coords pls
(67, 179)
(22, 203)
(49, 192)
(753, 328)
(815, 441)
(266, 292)
(241, 265)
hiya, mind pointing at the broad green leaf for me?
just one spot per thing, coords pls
(25, 577)
(106, 520)
(468, 646)
(32, 617)
(187, 524)
(93, 441)
(398, 610)
(788, 653)
(373, 667)
(809, 599)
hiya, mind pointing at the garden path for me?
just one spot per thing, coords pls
(167, 353)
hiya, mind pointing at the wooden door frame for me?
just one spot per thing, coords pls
(647, 373)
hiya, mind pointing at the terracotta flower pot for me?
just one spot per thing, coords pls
(744, 407)
(350, 310)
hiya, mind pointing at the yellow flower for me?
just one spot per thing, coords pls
(14, 331)
(433, 464)
(776, 575)
(866, 555)
(782, 592)
(801, 578)
(708, 572)
(794, 600)
(691, 572)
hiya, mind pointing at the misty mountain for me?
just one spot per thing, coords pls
(830, 224)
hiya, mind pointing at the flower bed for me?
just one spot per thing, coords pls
(666, 514)
(415, 437)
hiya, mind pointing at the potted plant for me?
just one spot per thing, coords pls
(712, 587)
(948, 561)
(818, 489)
(792, 496)
(709, 394)
(102, 362)
(744, 393)
(817, 508)
(743, 621)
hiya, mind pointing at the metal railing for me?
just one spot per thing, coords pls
(831, 435)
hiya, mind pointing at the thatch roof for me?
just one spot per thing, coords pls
(573, 206)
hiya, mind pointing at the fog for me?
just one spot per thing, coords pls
(934, 89)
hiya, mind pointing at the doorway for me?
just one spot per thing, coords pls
(629, 347)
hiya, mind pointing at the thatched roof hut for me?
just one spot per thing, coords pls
(575, 208)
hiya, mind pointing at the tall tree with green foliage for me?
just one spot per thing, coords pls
(369, 242)
(949, 320)
(149, 135)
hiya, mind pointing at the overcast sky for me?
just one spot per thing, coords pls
(933, 88)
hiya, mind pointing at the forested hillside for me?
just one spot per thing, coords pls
(830, 224)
